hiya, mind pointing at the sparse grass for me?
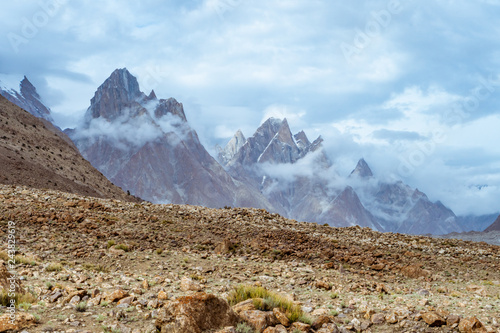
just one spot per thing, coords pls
(334, 295)
(122, 247)
(24, 260)
(100, 318)
(81, 307)
(244, 328)
(49, 285)
(24, 305)
(54, 267)
(269, 301)
(26, 298)
(305, 319)
(95, 268)
(111, 243)
(334, 313)
(18, 259)
(104, 303)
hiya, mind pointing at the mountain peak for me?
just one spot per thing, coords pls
(118, 92)
(170, 106)
(231, 149)
(362, 169)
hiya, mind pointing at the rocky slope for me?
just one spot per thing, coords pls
(94, 265)
(145, 145)
(35, 153)
(28, 99)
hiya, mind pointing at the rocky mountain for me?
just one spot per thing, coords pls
(145, 145)
(403, 209)
(289, 170)
(36, 154)
(495, 226)
(27, 98)
(296, 176)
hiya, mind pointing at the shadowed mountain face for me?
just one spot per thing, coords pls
(36, 154)
(495, 226)
(146, 146)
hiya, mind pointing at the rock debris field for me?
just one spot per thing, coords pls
(97, 265)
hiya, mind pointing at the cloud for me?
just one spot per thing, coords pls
(392, 136)
(234, 62)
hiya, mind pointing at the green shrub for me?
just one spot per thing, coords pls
(81, 307)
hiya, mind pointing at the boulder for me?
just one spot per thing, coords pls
(22, 320)
(433, 319)
(471, 325)
(195, 314)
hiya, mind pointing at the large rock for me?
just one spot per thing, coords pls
(471, 325)
(259, 320)
(22, 320)
(433, 319)
(196, 314)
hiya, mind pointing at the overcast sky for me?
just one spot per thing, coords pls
(410, 85)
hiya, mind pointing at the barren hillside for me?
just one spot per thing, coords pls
(97, 265)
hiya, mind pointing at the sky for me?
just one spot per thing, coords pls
(412, 86)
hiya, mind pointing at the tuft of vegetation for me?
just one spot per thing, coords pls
(95, 268)
(81, 307)
(18, 259)
(159, 251)
(111, 243)
(26, 298)
(122, 247)
(244, 328)
(266, 300)
(54, 267)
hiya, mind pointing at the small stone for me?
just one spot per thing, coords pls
(162, 295)
(452, 320)
(127, 300)
(300, 327)
(320, 321)
(116, 295)
(322, 285)
(282, 318)
(378, 318)
(187, 284)
(391, 318)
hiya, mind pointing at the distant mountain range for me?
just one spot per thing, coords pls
(146, 146)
